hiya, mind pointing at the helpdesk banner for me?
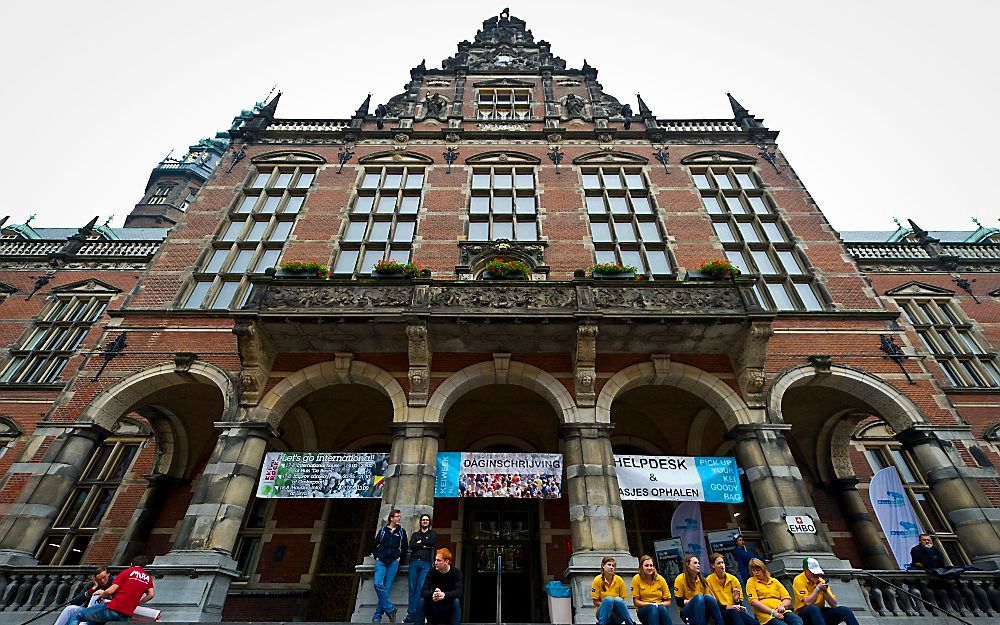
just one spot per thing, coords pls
(679, 478)
(521, 476)
(322, 475)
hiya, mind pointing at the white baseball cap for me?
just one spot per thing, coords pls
(812, 565)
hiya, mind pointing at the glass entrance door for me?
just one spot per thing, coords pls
(508, 529)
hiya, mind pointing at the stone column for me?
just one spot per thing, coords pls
(199, 568)
(27, 521)
(976, 522)
(144, 517)
(597, 520)
(863, 529)
(409, 486)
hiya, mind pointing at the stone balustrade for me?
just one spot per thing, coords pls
(974, 594)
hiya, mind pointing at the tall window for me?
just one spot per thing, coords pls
(623, 220)
(755, 239)
(251, 240)
(160, 194)
(503, 204)
(82, 514)
(251, 537)
(56, 336)
(382, 221)
(947, 335)
(504, 103)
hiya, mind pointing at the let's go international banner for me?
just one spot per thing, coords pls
(679, 478)
(304, 475)
(519, 476)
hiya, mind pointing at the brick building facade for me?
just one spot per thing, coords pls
(503, 153)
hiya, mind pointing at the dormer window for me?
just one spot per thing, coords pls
(504, 103)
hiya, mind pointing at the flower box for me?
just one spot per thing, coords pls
(510, 276)
(304, 270)
(718, 269)
(388, 275)
(603, 275)
(500, 269)
(395, 270)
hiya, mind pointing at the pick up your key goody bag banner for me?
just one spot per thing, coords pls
(679, 478)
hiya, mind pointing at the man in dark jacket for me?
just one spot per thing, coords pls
(422, 544)
(441, 597)
(925, 555)
(389, 548)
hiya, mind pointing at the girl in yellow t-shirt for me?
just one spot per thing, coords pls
(727, 591)
(693, 599)
(768, 597)
(650, 594)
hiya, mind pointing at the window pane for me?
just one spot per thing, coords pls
(745, 181)
(503, 204)
(624, 231)
(735, 206)
(949, 313)
(992, 370)
(346, 262)
(606, 256)
(772, 232)
(225, 297)
(736, 258)
(371, 257)
(648, 232)
(403, 231)
(930, 512)
(197, 296)
(364, 204)
(789, 263)
(257, 231)
(414, 180)
(600, 231)
(242, 261)
(503, 181)
(612, 180)
(260, 181)
(400, 256)
(949, 373)
(591, 181)
(875, 460)
(902, 466)
(758, 205)
(634, 181)
(247, 204)
(712, 205)
(641, 205)
(270, 204)
(748, 232)
(722, 180)
(780, 296)
(294, 204)
(527, 231)
(479, 230)
(658, 264)
(281, 231)
(480, 181)
(283, 179)
(763, 262)
(701, 181)
(525, 205)
(379, 231)
(370, 181)
(595, 205)
(267, 260)
(410, 204)
(101, 503)
(973, 373)
(503, 230)
(808, 297)
(386, 204)
(724, 232)
(232, 231)
(392, 181)
(618, 205)
(525, 181)
(73, 509)
(480, 204)
(218, 257)
(633, 258)
(305, 180)
(356, 231)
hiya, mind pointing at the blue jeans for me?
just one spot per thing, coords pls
(385, 574)
(417, 575)
(96, 614)
(814, 615)
(443, 611)
(737, 617)
(699, 608)
(613, 611)
(654, 614)
(791, 618)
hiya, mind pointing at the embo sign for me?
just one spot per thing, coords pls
(801, 524)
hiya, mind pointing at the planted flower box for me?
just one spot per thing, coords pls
(607, 271)
(499, 269)
(395, 270)
(304, 270)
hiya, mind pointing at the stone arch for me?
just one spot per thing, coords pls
(512, 440)
(833, 446)
(297, 386)
(885, 400)
(124, 396)
(720, 396)
(486, 373)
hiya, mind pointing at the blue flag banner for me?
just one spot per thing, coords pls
(686, 525)
(895, 514)
(679, 478)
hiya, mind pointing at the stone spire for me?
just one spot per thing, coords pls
(739, 112)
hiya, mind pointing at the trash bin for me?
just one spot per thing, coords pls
(560, 602)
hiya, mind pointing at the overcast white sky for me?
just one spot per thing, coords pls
(886, 109)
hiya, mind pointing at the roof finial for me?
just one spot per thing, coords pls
(30, 219)
(108, 221)
(976, 221)
(362, 111)
(895, 220)
(644, 111)
(739, 112)
(505, 14)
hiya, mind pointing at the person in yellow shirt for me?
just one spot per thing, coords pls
(768, 597)
(814, 601)
(650, 594)
(608, 593)
(727, 591)
(694, 601)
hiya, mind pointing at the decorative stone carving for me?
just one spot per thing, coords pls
(356, 297)
(585, 373)
(436, 106)
(504, 127)
(453, 137)
(256, 358)
(531, 253)
(573, 107)
(419, 353)
(701, 300)
(502, 297)
(748, 362)
(501, 364)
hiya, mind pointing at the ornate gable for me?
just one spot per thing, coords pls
(503, 157)
(92, 286)
(289, 156)
(718, 157)
(610, 158)
(396, 157)
(917, 289)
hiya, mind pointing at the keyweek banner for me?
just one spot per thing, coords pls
(895, 514)
(679, 478)
(305, 475)
(686, 525)
(519, 476)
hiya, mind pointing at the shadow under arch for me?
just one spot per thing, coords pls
(884, 400)
(717, 394)
(123, 397)
(518, 374)
(287, 393)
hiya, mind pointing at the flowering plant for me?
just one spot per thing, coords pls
(305, 266)
(611, 268)
(719, 268)
(501, 267)
(410, 269)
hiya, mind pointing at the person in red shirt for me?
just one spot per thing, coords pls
(131, 588)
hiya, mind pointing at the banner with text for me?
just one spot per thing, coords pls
(520, 476)
(304, 475)
(895, 514)
(679, 478)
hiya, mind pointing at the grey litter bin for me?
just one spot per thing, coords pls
(560, 602)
